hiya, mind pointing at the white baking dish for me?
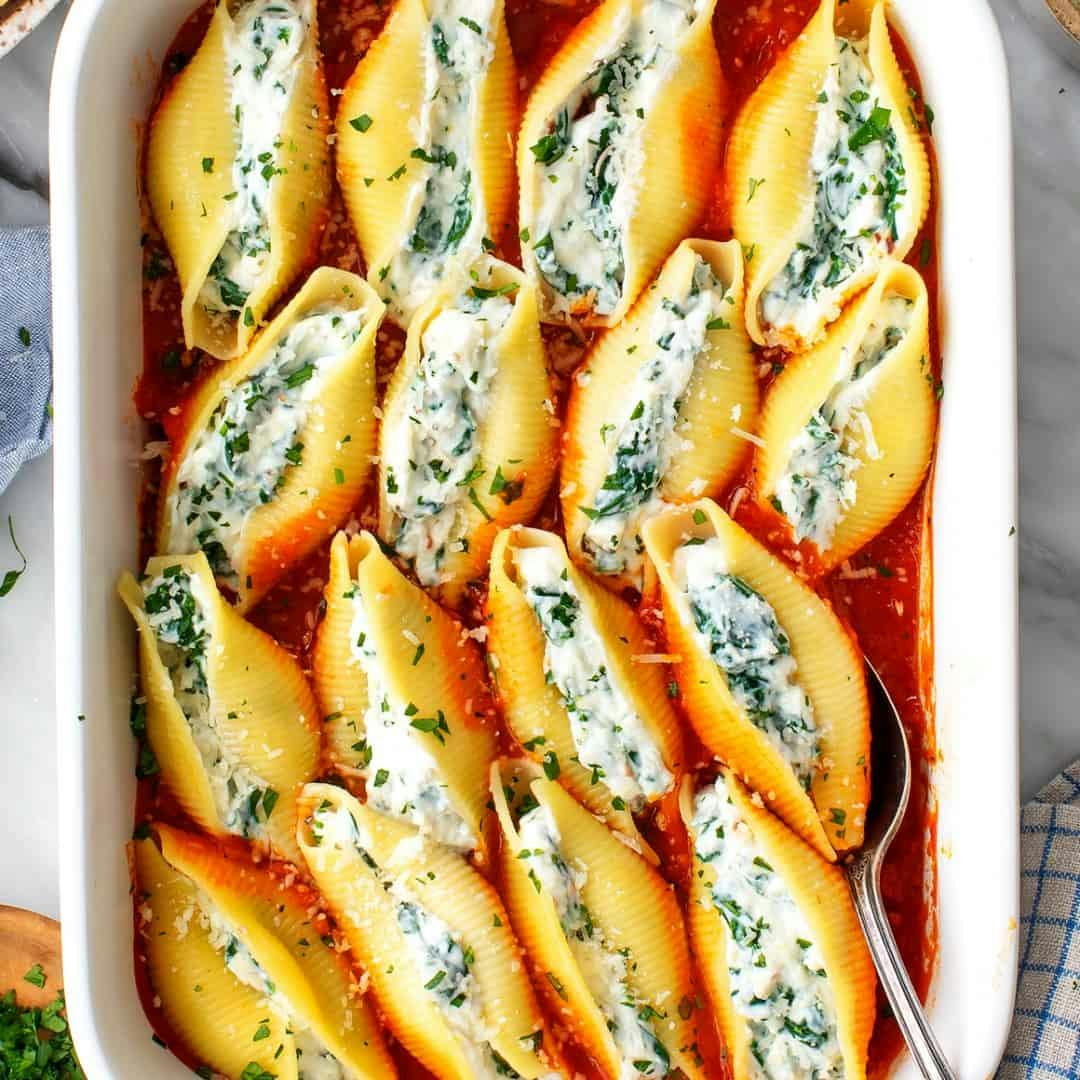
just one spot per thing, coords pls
(104, 76)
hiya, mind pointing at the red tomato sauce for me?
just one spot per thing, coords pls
(883, 592)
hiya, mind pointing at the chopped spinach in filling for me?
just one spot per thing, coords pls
(612, 740)
(739, 628)
(176, 609)
(818, 487)
(431, 455)
(776, 973)
(640, 448)
(444, 962)
(314, 1060)
(445, 965)
(860, 206)
(403, 777)
(588, 164)
(446, 215)
(605, 969)
(262, 51)
(241, 460)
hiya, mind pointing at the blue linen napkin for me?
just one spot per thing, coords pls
(25, 349)
(1044, 1043)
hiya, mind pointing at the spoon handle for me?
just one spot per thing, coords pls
(906, 1006)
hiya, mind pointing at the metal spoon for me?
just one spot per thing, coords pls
(890, 770)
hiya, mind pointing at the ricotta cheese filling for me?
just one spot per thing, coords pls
(176, 607)
(818, 486)
(242, 458)
(739, 629)
(860, 204)
(611, 739)
(604, 968)
(645, 438)
(444, 962)
(403, 778)
(776, 972)
(313, 1060)
(431, 456)
(446, 216)
(589, 164)
(262, 55)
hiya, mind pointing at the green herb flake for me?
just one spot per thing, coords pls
(556, 984)
(475, 500)
(361, 123)
(873, 129)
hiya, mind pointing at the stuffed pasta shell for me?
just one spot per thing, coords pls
(434, 940)
(238, 168)
(660, 409)
(827, 173)
(601, 927)
(848, 429)
(467, 442)
(616, 153)
(779, 945)
(230, 717)
(276, 446)
(425, 145)
(771, 679)
(404, 696)
(245, 969)
(570, 663)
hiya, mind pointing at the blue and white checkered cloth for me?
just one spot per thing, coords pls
(1044, 1043)
(25, 349)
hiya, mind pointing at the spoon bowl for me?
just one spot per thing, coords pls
(890, 771)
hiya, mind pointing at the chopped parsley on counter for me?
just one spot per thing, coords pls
(35, 1044)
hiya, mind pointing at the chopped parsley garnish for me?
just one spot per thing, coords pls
(35, 1044)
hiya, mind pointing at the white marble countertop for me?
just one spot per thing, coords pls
(1046, 118)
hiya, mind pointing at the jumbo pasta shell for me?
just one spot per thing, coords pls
(507, 469)
(364, 876)
(426, 668)
(289, 939)
(191, 154)
(667, 166)
(900, 410)
(215, 1013)
(647, 932)
(706, 410)
(829, 671)
(319, 478)
(390, 104)
(772, 185)
(823, 901)
(258, 706)
(533, 705)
